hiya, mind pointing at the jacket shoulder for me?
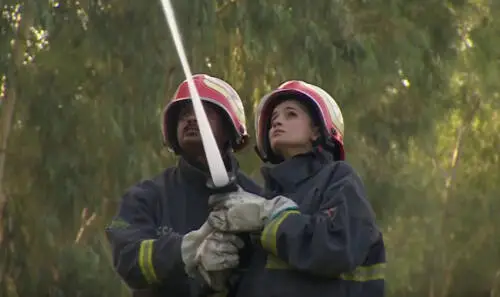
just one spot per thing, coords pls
(150, 188)
(341, 171)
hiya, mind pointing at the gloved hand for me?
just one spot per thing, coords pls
(244, 211)
(216, 256)
(191, 242)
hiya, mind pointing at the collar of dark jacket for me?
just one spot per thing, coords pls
(287, 176)
(196, 172)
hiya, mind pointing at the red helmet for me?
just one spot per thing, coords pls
(215, 91)
(325, 109)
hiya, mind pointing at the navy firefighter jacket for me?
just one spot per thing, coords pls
(146, 234)
(330, 247)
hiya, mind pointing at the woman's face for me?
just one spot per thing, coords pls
(291, 131)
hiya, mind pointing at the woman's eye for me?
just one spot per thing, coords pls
(273, 118)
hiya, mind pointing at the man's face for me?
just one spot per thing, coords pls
(188, 134)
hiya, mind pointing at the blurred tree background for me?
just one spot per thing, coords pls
(83, 82)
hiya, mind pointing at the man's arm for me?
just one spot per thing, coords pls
(141, 256)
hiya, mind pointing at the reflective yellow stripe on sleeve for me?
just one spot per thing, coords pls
(360, 274)
(366, 273)
(275, 263)
(146, 261)
(268, 237)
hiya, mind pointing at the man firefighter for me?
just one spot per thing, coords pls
(157, 234)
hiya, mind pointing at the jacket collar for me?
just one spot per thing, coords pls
(197, 173)
(288, 175)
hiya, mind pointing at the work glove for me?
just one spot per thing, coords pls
(217, 255)
(242, 211)
(190, 245)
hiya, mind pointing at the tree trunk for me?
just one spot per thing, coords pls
(9, 101)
